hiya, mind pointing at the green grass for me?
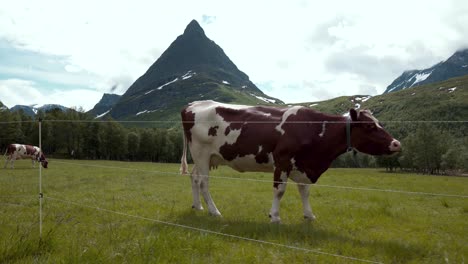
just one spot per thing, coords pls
(371, 225)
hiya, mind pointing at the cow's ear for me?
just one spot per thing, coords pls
(353, 114)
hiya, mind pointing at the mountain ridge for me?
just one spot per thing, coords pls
(32, 110)
(456, 65)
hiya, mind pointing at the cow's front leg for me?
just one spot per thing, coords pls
(304, 192)
(279, 187)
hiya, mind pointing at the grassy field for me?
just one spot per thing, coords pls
(118, 212)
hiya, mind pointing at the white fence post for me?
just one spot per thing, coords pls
(40, 181)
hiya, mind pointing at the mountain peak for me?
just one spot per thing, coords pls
(193, 28)
(192, 68)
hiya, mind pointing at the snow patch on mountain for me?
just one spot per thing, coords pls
(103, 114)
(421, 77)
(264, 99)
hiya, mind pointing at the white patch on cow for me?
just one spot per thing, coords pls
(206, 118)
(231, 138)
(259, 149)
(291, 111)
(323, 129)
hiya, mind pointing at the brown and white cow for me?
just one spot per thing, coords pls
(20, 151)
(294, 142)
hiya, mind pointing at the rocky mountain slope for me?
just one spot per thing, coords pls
(455, 66)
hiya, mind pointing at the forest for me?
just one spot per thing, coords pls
(427, 148)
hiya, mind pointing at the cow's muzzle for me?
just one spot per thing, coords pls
(395, 146)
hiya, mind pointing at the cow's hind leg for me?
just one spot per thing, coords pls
(196, 182)
(304, 192)
(204, 187)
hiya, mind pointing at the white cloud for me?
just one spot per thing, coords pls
(17, 91)
(320, 49)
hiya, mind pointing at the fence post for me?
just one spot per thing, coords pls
(40, 181)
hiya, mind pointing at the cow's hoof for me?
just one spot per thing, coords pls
(310, 218)
(199, 208)
(216, 214)
(274, 219)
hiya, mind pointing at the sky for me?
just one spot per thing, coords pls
(71, 52)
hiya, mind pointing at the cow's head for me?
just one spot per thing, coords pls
(42, 159)
(368, 135)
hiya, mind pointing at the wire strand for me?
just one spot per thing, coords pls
(271, 182)
(235, 122)
(214, 232)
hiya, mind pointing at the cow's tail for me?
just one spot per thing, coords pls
(183, 160)
(6, 151)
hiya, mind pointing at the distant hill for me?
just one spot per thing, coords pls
(441, 101)
(3, 107)
(31, 110)
(338, 105)
(192, 68)
(104, 106)
(455, 66)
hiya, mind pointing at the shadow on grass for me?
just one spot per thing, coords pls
(305, 235)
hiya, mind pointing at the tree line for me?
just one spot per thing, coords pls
(74, 134)
(427, 148)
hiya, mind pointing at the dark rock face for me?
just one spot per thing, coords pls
(105, 104)
(192, 68)
(455, 66)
